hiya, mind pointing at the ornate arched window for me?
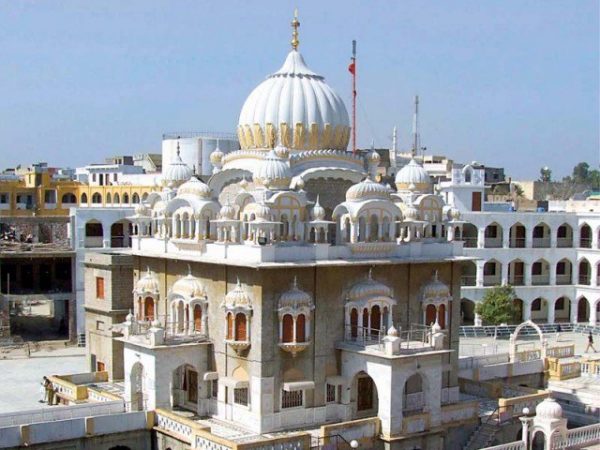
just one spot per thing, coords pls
(147, 293)
(435, 301)
(191, 317)
(295, 309)
(368, 309)
(238, 311)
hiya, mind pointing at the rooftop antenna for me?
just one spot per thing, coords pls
(416, 138)
(352, 69)
(394, 148)
(295, 24)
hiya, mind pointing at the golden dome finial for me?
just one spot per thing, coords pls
(295, 25)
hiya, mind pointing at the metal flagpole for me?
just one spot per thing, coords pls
(354, 96)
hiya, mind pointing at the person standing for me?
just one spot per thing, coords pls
(590, 343)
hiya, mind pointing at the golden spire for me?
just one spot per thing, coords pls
(295, 25)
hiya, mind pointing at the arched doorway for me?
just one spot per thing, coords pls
(468, 274)
(136, 381)
(583, 310)
(562, 310)
(469, 235)
(585, 272)
(185, 387)
(430, 313)
(149, 309)
(120, 233)
(467, 312)
(365, 396)
(517, 236)
(94, 233)
(413, 399)
(585, 236)
(538, 441)
(517, 310)
(197, 318)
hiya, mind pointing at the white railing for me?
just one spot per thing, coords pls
(202, 442)
(578, 437)
(528, 355)
(414, 402)
(561, 352)
(516, 445)
(450, 395)
(175, 426)
(61, 413)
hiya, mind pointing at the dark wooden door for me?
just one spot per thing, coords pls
(476, 201)
(365, 394)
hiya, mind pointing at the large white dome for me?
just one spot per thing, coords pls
(413, 177)
(295, 105)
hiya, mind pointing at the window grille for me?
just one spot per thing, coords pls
(331, 393)
(292, 399)
(240, 396)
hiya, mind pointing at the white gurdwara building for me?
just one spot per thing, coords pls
(292, 290)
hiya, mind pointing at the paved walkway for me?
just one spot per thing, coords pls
(474, 346)
(21, 376)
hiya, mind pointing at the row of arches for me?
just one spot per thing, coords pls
(110, 199)
(538, 273)
(542, 310)
(541, 235)
(96, 234)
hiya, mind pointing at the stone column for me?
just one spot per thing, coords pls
(593, 313)
(552, 274)
(481, 237)
(505, 238)
(479, 273)
(551, 311)
(594, 275)
(527, 274)
(594, 239)
(528, 237)
(526, 311)
(574, 310)
(504, 272)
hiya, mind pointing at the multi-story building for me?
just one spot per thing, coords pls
(550, 258)
(305, 296)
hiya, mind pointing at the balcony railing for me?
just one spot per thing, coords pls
(469, 242)
(584, 279)
(516, 280)
(585, 243)
(564, 242)
(541, 242)
(416, 337)
(468, 280)
(517, 243)
(493, 243)
(563, 279)
(491, 280)
(540, 280)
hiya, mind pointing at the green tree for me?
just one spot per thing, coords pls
(581, 173)
(545, 174)
(497, 305)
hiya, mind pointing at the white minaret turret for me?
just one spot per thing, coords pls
(394, 151)
(416, 138)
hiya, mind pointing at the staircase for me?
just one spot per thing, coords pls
(485, 433)
(482, 437)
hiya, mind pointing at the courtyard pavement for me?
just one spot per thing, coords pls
(475, 346)
(21, 376)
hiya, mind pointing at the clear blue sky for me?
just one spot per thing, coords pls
(508, 83)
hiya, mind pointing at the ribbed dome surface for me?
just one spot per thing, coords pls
(369, 288)
(294, 95)
(148, 283)
(177, 172)
(189, 286)
(367, 190)
(549, 409)
(295, 298)
(237, 298)
(435, 289)
(273, 172)
(194, 187)
(413, 174)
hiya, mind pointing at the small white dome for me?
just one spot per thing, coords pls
(177, 172)
(189, 286)
(227, 212)
(273, 172)
(373, 157)
(147, 284)
(318, 212)
(436, 290)
(295, 298)
(129, 317)
(369, 288)
(549, 409)
(392, 331)
(237, 298)
(141, 210)
(159, 207)
(367, 190)
(282, 152)
(216, 157)
(413, 177)
(195, 188)
(292, 103)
